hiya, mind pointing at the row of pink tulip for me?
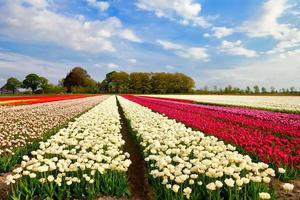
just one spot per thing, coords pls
(239, 129)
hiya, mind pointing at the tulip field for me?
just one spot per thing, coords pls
(25, 100)
(76, 147)
(290, 104)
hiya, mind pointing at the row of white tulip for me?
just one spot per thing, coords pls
(19, 125)
(282, 103)
(187, 164)
(80, 161)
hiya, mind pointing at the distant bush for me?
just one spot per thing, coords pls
(56, 89)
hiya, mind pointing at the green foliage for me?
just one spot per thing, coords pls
(139, 82)
(256, 89)
(55, 89)
(110, 183)
(44, 84)
(78, 90)
(78, 78)
(145, 83)
(34, 82)
(7, 162)
(13, 84)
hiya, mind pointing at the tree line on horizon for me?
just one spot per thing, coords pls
(79, 81)
(248, 90)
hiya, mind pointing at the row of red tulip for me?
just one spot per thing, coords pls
(28, 100)
(252, 134)
(287, 124)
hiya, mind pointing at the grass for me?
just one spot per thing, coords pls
(110, 183)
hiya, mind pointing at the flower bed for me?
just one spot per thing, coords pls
(25, 100)
(81, 161)
(277, 103)
(22, 126)
(249, 133)
(184, 163)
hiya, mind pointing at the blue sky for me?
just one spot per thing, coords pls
(216, 42)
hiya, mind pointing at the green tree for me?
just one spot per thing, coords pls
(105, 83)
(55, 89)
(32, 81)
(273, 90)
(44, 84)
(263, 90)
(135, 83)
(159, 83)
(228, 89)
(119, 83)
(144, 83)
(77, 77)
(292, 89)
(248, 90)
(256, 89)
(12, 84)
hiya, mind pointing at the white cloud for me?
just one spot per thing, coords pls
(129, 35)
(197, 53)
(272, 71)
(43, 25)
(13, 64)
(183, 11)
(287, 54)
(36, 3)
(112, 66)
(296, 13)
(169, 45)
(235, 48)
(101, 5)
(221, 32)
(170, 67)
(206, 35)
(132, 60)
(267, 25)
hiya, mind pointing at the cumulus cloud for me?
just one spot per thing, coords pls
(220, 32)
(113, 66)
(129, 35)
(197, 53)
(170, 67)
(169, 45)
(235, 48)
(267, 25)
(132, 60)
(183, 11)
(14, 64)
(100, 5)
(44, 25)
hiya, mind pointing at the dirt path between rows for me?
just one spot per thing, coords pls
(139, 186)
(284, 195)
(4, 188)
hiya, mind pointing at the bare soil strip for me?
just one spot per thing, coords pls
(4, 188)
(283, 195)
(138, 182)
